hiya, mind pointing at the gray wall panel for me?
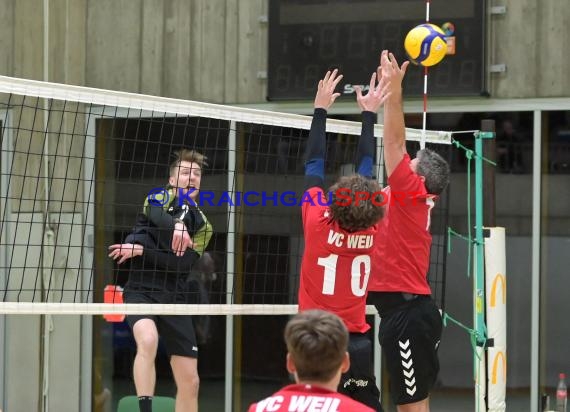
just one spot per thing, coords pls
(152, 40)
(113, 44)
(6, 36)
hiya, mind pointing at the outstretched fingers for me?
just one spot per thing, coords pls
(115, 251)
(326, 95)
(386, 64)
(121, 252)
(359, 98)
(123, 258)
(333, 81)
(404, 67)
(372, 84)
(393, 61)
(358, 91)
(334, 97)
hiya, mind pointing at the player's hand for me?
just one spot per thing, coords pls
(181, 239)
(125, 251)
(392, 74)
(376, 96)
(325, 91)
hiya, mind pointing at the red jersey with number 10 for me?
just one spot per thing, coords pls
(336, 264)
(402, 255)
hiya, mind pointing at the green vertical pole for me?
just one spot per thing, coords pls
(479, 275)
(479, 262)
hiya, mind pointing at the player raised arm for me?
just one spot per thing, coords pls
(369, 105)
(315, 152)
(394, 126)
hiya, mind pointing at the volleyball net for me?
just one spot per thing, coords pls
(78, 164)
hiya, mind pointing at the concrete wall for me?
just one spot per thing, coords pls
(514, 203)
(37, 352)
(208, 50)
(530, 39)
(212, 50)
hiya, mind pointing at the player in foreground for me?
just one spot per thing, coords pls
(340, 237)
(316, 356)
(411, 324)
(168, 239)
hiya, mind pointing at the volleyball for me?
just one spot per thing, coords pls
(425, 44)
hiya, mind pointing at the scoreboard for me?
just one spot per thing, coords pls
(308, 37)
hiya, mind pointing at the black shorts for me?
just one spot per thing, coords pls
(176, 331)
(409, 335)
(358, 382)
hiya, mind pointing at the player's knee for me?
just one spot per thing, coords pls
(147, 342)
(189, 383)
(195, 384)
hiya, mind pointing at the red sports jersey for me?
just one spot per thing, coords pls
(308, 398)
(403, 252)
(336, 264)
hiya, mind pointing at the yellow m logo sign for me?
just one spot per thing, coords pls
(499, 355)
(498, 278)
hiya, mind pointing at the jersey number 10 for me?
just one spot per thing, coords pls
(357, 285)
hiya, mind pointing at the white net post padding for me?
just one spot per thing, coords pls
(496, 308)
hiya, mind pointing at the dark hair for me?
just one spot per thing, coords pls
(356, 215)
(434, 169)
(317, 342)
(187, 155)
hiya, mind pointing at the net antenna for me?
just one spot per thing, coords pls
(425, 97)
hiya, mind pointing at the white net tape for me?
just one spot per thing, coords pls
(25, 308)
(165, 105)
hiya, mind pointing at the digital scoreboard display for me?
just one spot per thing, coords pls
(309, 37)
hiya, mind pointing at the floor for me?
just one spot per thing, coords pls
(212, 396)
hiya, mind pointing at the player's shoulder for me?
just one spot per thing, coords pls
(314, 190)
(403, 173)
(315, 205)
(314, 196)
(276, 401)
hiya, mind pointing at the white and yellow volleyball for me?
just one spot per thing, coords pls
(425, 44)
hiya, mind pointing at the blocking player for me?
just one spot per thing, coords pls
(411, 324)
(317, 356)
(340, 237)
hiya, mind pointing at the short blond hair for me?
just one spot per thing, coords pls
(187, 155)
